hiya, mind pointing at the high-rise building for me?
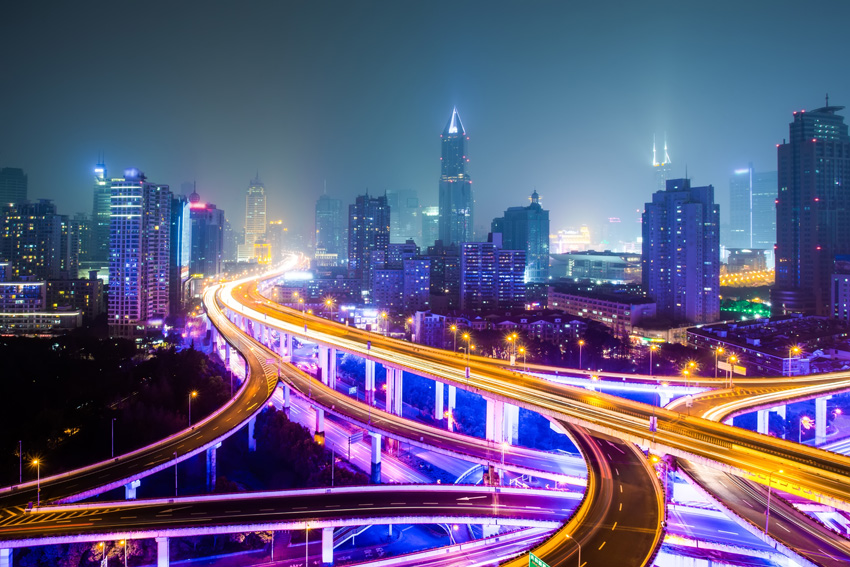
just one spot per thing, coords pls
(207, 237)
(456, 200)
(180, 253)
(662, 169)
(527, 228)
(255, 219)
(99, 236)
(681, 252)
(752, 209)
(139, 258)
(231, 242)
(368, 232)
(13, 186)
(31, 240)
(812, 211)
(430, 226)
(70, 247)
(331, 236)
(406, 224)
(445, 276)
(491, 277)
(83, 224)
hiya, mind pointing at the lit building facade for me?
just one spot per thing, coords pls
(139, 261)
(490, 277)
(812, 211)
(31, 239)
(752, 209)
(100, 213)
(527, 228)
(406, 222)
(430, 226)
(681, 252)
(619, 312)
(207, 238)
(255, 219)
(455, 199)
(13, 186)
(331, 236)
(368, 232)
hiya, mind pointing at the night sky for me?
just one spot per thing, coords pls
(561, 96)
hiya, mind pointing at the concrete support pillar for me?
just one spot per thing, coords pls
(490, 530)
(780, 410)
(332, 368)
(323, 364)
(663, 399)
(438, 401)
(162, 555)
(286, 397)
(394, 391)
(327, 546)
(370, 382)
(495, 421)
(227, 355)
(130, 489)
(820, 420)
(286, 345)
(511, 421)
(5, 557)
(491, 476)
(762, 421)
(376, 457)
(211, 469)
(319, 431)
(252, 443)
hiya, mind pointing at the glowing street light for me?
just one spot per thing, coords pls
(580, 344)
(386, 323)
(454, 332)
(718, 351)
(522, 351)
(732, 361)
(792, 352)
(37, 464)
(192, 394)
(652, 348)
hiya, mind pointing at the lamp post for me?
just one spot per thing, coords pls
(113, 437)
(386, 323)
(652, 348)
(124, 544)
(794, 350)
(732, 360)
(454, 332)
(579, 548)
(522, 351)
(719, 350)
(306, 544)
(329, 303)
(580, 344)
(767, 511)
(504, 444)
(102, 552)
(192, 394)
(37, 464)
(467, 338)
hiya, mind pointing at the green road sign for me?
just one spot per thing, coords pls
(534, 561)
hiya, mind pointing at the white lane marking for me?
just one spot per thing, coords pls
(725, 532)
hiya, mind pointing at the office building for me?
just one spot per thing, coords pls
(331, 235)
(681, 252)
(70, 246)
(99, 238)
(208, 224)
(13, 186)
(255, 220)
(527, 228)
(752, 209)
(812, 211)
(76, 294)
(23, 311)
(31, 240)
(180, 252)
(455, 199)
(607, 266)
(491, 277)
(430, 226)
(445, 276)
(406, 223)
(140, 255)
(368, 232)
(619, 309)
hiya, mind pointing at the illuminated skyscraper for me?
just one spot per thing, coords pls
(663, 169)
(330, 229)
(455, 185)
(207, 237)
(255, 219)
(681, 252)
(99, 235)
(13, 186)
(406, 224)
(139, 257)
(368, 232)
(812, 210)
(31, 239)
(527, 228)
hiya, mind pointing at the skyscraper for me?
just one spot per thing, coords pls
(139, 257)
(13, 185)
(491, 277)
(180, 252)
(406, 224)
(812, 210)
(255, 219)
(330, 229)
(681, 252)
(99, 236)
(430, 226)
(207, 237)
(368, 232)
(752, 209)
(527, 228)
(32, 239)
(661, 169)
(455, 185)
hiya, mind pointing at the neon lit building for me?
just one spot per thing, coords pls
(456, 201)
(255, 219)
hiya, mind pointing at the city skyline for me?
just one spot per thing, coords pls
(574, 116)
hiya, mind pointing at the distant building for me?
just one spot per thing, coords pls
(430, 329)
(619, 311)
(752, 209)
(456, 200)
(405, 222)
(607, 267)
(331, 235)
(812, 215)
(13, 186)
(566, 241)
(746, 260)
(490, 277)
(31, 239)
(430, 226)
(368, 231)
(681, 252)
(100, 218)
(661, 169)
(77, 294)
(255, 219)
(180, 252)
(527, 228)
(208, 225)
(140, 246)
(841, 289)
(445, 276)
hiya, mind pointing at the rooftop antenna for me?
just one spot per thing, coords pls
(654, 161)
(666, 157)
(325, 192)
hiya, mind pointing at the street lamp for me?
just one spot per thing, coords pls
(767, 511)
(37, 464)
(192, 394)
(719, 350)
(652, 348)
(124, 544)
(580, 344)
(794, 350)
(579, 548)
(522, 351)
(113, 437)
(732, 360)
(454, 332)
(386, 323)
(102, 552)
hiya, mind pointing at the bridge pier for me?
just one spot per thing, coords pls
(394, 391)
(327, 546)
(452, 404)
(376, 458)
(162, 555)
(211, 468)
(489, 530)
(495, 421)
(6, 557)
(327, 365)
(820, 419)
(763, 421)
(511, 434)
(319, 431)
(252, 443)
(438, 401)
(287, 404)
(227, 355)
(370, 382)
(130, 489)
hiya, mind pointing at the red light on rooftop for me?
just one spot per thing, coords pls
(817, 248)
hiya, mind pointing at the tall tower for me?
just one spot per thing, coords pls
(663, 168)
(13, 185)
(100, 212)
(330, 228)
(527, 228)
(455, 185)
(681, 252)
(255, 218)
(368, 232)
(812, 210)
